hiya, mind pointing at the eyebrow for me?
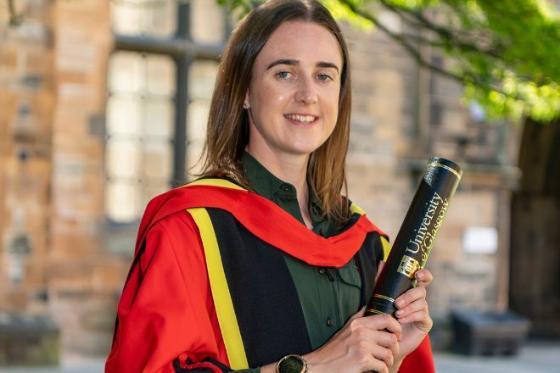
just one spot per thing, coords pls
(296, 62)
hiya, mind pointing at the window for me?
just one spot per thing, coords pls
(139, 132)
(160, 81)
(202, 76)
(144, 17)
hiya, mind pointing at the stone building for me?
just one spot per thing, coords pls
(103, 105)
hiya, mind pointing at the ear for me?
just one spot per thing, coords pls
(246, 104)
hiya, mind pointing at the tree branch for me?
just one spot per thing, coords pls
(400, 39)
(451, 36)
(465, 77)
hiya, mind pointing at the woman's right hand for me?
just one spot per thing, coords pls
(363, 344)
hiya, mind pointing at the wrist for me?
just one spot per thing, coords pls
(314, 363)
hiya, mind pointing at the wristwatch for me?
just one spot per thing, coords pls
(291, 364)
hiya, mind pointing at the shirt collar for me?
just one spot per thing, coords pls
(263, 182)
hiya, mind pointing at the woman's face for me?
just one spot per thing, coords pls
(294, 90)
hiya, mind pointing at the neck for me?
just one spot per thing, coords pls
(291, 168)
(287, 167)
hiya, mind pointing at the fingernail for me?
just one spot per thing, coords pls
(399, 313)
(400, 303)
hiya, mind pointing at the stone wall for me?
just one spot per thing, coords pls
(27, 97)
(53, 74)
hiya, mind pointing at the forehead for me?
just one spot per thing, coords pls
(302, 41)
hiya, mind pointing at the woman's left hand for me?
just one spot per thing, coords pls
(413, 314)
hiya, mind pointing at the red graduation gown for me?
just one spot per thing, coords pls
(166, 313)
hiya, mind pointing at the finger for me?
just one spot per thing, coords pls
(354, 321)
(384, 354)
(418, 305)
(421, 320)
(357, 315)
(376, 366)
(370, 357)
(383, 322)
(384, 330)
(360, 313)
(423, 277)
(410, 296)
(386, 339)
(389, 340)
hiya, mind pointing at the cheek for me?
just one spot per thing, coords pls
(278, 94)
(333, 105)
(270, 97)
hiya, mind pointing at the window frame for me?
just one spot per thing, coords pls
(183, 51)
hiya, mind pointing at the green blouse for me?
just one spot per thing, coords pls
(328, 296)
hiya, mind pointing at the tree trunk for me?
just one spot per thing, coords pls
(535, 230)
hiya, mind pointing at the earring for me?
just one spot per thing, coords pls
(245, 105)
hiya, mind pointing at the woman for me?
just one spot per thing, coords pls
(261, 264)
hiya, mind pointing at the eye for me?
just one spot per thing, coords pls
(283, 74)
(324, 77)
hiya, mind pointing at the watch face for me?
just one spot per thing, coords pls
(291, 364)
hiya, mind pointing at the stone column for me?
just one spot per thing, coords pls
(78, 267)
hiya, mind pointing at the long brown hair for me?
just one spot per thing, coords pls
(228, 124)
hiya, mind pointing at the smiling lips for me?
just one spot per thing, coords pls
(301, 118)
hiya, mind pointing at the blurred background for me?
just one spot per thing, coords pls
(103, 105)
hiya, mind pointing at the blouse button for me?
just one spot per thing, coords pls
(330, 322)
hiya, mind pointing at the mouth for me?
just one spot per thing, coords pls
(304, 119)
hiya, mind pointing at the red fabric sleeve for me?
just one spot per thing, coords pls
(166, 310)
(420, 360)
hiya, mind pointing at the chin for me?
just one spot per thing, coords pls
(302, 151)
(303, 147)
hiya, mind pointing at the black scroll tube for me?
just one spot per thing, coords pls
(416, 237)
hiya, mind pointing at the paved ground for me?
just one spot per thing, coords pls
(534, 358)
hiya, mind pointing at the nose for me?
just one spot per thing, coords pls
(306, 92)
